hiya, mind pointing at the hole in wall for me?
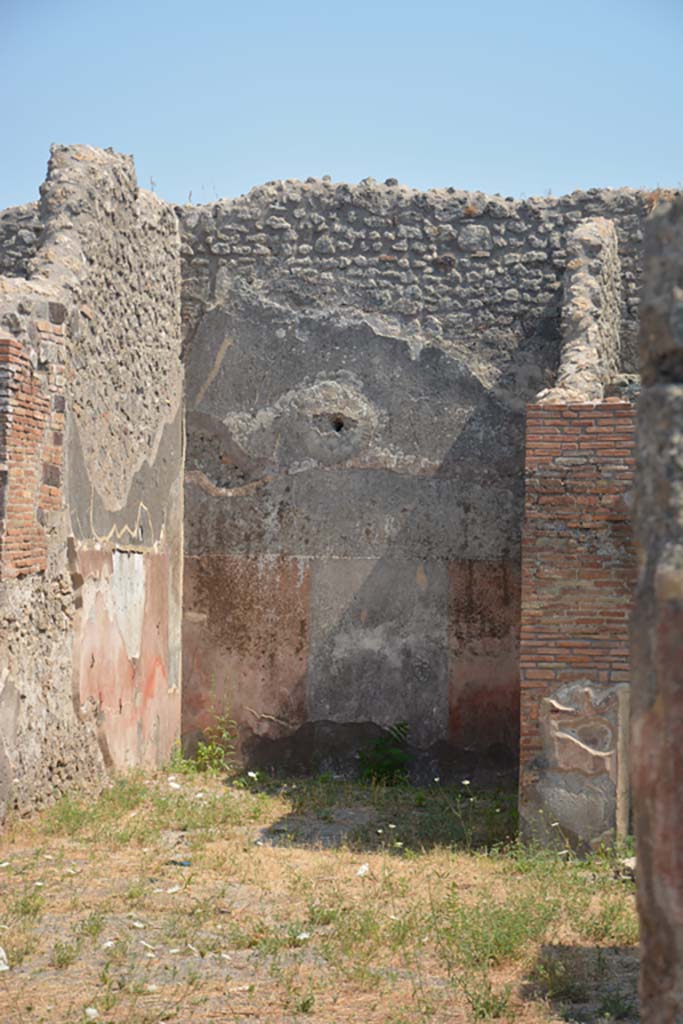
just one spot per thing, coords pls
(334, 423)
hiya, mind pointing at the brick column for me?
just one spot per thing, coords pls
(577, 577)
(31, 437)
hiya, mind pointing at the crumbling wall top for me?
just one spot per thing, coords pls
(591, 321)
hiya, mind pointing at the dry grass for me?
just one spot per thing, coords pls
(321, 901)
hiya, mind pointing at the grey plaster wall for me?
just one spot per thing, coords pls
(358, 362)
(123, 330)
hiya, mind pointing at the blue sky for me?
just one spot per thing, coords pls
(511, 96)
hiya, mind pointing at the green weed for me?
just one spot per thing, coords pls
(615, 922)
(215, 754)
(92, 926)
(64, 954)
(557, 980)
(29, 905)
(491, 931)
(484, 1002)
(386, 760)
(615, 1005)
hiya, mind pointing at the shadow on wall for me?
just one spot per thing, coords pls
(407, 607)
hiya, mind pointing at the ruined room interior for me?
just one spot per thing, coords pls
(324, 458)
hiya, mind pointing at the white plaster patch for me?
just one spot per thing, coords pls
(123, 594)
(254, 431)
(128, 596)
(379, 640)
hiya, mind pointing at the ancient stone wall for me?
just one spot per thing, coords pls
(578, 570)
(657, 647)
(91, 514)
(44, 745)
(20, 229)
(591, 325)
(359, 359)
(476, 275)
(359, 362)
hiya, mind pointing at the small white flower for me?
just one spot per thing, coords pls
(466, 782)
(302, 936)
(137, 924)
(363, 870)
(5, 864)
(398, 844)
(253, 775)
(108, 945)
(174, 785)
(437, 778)
(391, 826)
(39, 885)
(91, 1013)
(380, 831)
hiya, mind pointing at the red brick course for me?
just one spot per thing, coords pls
(578, 560)
(31, 430)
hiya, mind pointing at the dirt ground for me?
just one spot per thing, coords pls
(192, 898)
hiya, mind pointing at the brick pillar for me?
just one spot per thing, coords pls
(577, 578)
(31, 436)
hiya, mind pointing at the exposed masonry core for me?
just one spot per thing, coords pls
(20, 230)
(368, 370)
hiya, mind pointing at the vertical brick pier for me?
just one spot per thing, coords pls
(578, 569)
(31, 440)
